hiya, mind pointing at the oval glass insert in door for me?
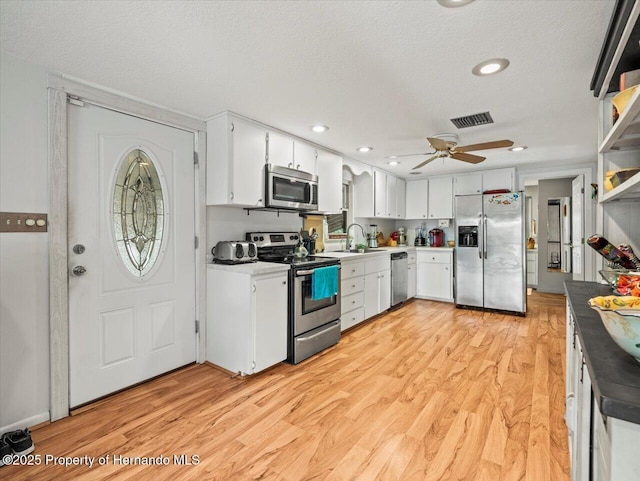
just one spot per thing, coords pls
(138, 215)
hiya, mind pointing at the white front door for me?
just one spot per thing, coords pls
(577, 228)
(132, 257)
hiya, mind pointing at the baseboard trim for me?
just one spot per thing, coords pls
(26, 423)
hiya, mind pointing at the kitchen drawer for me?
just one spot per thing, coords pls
(378, 264)
(435, 257)
(351, 302)
(349, 286)
(351, 318)
(351, 269)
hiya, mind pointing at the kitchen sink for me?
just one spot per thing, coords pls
(355, 251)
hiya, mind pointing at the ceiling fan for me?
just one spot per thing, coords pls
(446, 145)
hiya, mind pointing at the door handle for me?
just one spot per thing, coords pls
(484, 233)
(78, 271)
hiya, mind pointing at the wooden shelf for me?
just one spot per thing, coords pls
(625, 191)
(625, 134)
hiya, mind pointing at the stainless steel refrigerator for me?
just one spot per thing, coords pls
(490, 258)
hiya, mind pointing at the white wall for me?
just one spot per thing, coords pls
(24, 293)
(231, 223)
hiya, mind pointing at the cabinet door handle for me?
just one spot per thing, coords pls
(284, 283)
(290, 165)
(231, 196)
(254, 288)
(298, 166)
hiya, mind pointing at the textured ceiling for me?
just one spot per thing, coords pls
(380, 73)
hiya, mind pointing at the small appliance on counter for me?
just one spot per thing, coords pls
(436, 238)
(372, 236)
(420, 240)
(234, 252)
(402, 236)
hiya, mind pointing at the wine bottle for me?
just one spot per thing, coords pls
(610, 252)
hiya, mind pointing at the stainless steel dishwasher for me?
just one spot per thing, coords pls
(399, 278)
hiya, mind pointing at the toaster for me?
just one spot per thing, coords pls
(234, 252)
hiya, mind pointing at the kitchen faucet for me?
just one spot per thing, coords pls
(348, 239)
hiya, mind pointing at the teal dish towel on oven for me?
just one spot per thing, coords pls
(324, 282)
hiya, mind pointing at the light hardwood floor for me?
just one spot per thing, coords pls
(426, 392)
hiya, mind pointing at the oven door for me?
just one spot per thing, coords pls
(307, 312)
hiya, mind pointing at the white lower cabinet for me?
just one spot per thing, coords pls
(601, 448)
(377, 285)
(532, 267)
(246, 320)
(412, 268)
(351, 293)
(435, 275)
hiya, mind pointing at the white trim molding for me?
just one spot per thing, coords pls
(60, 89)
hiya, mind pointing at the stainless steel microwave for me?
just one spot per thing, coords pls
(290, 188)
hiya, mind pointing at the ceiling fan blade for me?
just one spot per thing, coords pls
(437, 144)
(422, 164)
(473, 159)
(412, 155)
(496, 144)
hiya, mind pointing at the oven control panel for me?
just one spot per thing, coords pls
(273, 239)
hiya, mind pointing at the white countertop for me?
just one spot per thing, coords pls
(379, 251)
(431, 249)
(251, 268)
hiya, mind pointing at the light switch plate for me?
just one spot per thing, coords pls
(23, 222)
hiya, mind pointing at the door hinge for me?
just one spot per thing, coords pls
(582, 190)
(197, 326)
(75, 101)
(196, 242)
(196, 161)
(266, 151)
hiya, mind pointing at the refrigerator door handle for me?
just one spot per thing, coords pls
(480, 234)
(484, 239)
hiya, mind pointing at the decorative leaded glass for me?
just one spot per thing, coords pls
(138, 215)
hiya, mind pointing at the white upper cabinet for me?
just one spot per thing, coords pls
(441, 198)
(388, 189)
(304, 157)
(329, 182)
(401, 196)
(499, 179)
(236, 156)
(417, 198)
(392, 201)
(379, 193)
(280, 150)
(477, 183)
(468, 184)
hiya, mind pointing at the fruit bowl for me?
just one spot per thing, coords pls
(620, 100)
(623, 283)
(621, 318)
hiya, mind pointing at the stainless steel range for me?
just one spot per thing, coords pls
(314, 323)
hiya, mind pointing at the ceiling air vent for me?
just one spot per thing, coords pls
(473, 120)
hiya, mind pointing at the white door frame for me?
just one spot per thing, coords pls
(587, 204)
(60, 89)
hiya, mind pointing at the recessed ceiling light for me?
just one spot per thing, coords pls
(365, 149)
(392, 157)
(393, 162)
(489, 67)
(319, 128)
(454, 3)
(519, 148)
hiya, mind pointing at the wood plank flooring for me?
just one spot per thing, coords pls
(426, 392)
